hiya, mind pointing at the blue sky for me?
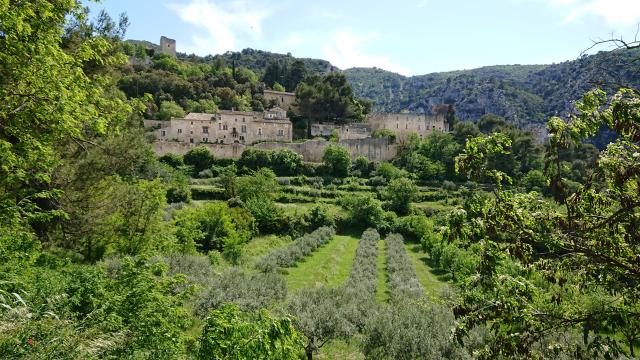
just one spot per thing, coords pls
(410, 37)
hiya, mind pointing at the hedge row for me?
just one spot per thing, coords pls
(303, 246)
(402, 279)
(207, 193)
(364, 271)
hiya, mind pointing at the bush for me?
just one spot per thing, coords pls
(230, 333)
(249, 291)
(364, 210)
(300, 248)
(413, 227)
(400, 193)
(207, 193)
(337, 159)
(173, 160)
(402, 280)
(200, 158)
(363, 277)
(319, 216)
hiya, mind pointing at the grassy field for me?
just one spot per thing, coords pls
(334, 350)
(429, 280)
(328, 266)
(261, 246)
(382, 293)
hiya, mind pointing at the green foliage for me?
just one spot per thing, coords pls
(319, 216)
(249, 291)
(560, 271)
(88, 313)
(297, 250)
(364, 210)
(278, 87)
(411, 331)
(79, 103)
(200, 106)
(329, 98)
(400, 193)
(388, 171)
(169, 110)
(213, 227)
(200, 158)
(380, 133)
(363, 277)
(413, 227)
(173, 160)
(230, 333)
(337, 159)
(402, 280)
(474, 161)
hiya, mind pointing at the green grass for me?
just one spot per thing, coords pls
(425, 273)
(339, 349)
(261, 246)
(382, 292)
(328, 266)
(301, 208)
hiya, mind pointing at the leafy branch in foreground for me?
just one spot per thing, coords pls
(544, 271)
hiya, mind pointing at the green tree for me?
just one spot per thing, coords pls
(364, 210)
(201, 106)
(337, 159)
(575, 270)
(169, 110)
(278, 87)
(200, 158)
(230, 333)
(400, 193)
(47, 100)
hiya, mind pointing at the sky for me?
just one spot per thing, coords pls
(410, 37)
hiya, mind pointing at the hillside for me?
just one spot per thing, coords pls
(521, 93)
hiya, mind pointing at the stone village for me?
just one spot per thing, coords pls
(227, 133)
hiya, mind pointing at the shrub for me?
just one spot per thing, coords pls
(200, 158)
(230, 333)
(364, 271)
(413, 227)
(400, 193)
(319, 216)
(249, 291)
(364, 210)
(173, 160)
(337, 159)
(300, 248)
(402, 280)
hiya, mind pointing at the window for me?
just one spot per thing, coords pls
(397, 126)
(280, 132)
(406, 126)
(192, 123)
(205, 129)
(225, 127)
(191, 132)
(191, 140)
(236, 119)
(164, 133)
(243, 128)
(242, 119)
(260, 131)
(219, 126)
(205, 139)
(179, 131)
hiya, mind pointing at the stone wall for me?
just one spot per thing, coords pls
(311, 150)
(346, 131)
(168, 46)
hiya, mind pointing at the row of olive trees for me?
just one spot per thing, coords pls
(297, 250)
(402, 279)
(364, 271)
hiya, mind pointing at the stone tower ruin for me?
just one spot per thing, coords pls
(167, 46)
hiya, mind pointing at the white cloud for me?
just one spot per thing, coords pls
(222, 24)
(345, 51)
(294, 40)
(622, 13)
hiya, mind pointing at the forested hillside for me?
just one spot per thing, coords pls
(521, 93)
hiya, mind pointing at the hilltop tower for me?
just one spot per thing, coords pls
(167, 46)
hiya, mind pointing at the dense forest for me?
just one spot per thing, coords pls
(477, 243)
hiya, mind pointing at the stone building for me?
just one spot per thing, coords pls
(346, 131)
(225, 127)
(285, 100)
(404, 124)
(168, 46)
